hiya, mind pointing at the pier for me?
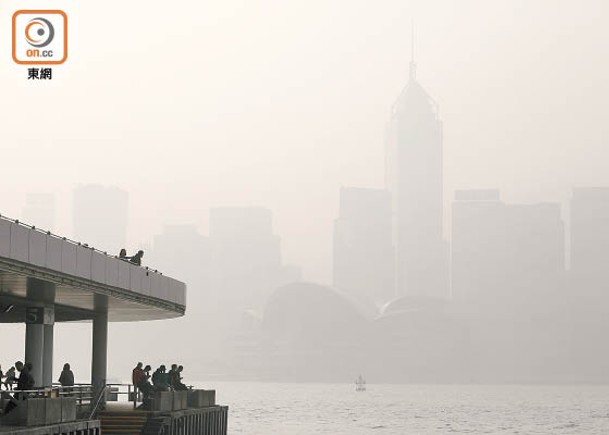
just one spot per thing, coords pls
(44, 279)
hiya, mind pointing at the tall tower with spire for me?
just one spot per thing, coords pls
(414, 177)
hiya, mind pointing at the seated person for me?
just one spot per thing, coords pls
(25, 382)
(179, 385)
(174, 376)
(160, 379)
(10, 379)
(137, 258)
(144, 383)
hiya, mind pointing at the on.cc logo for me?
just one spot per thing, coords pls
(39, 32)
(40, 37)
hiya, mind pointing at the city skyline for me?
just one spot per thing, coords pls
(333, 217)
(494, 68)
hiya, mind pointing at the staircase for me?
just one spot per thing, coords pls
(122, 422)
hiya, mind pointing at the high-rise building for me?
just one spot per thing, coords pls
(245, 257)
(590, 231)
(100, 217)
(589, 248)
(39, 210)
(363, 248)
(503, 254)
(414, 177)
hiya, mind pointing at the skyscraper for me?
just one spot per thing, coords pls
(100, 217)
(245, 257)
(363, 249)
(414, 177)
(506, 254)
(590, 240)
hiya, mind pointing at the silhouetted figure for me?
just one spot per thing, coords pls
(123, 255)
(137, 374)
(11, 378)
(25, 382)
(137, 258)
(160, 379)
(179, 384)
(144, 383)
(139, 377)
(66, 379)
(174, 376)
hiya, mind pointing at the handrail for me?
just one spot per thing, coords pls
(102, 393)
(66, 239)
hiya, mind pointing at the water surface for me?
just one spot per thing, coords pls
(333, 409)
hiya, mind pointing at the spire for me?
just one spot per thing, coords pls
(413, 66)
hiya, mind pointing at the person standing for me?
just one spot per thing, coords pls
(66, 379)
(137, 375)
(25, 381)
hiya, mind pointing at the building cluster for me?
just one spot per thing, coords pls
(518, 292)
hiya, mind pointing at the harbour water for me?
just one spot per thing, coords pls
(333, 409)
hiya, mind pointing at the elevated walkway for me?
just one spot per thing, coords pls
(46, 278)
(79, 275)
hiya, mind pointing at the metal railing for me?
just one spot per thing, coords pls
(81, 393)
(88, 401)
(98, 401)
(68, 240)
(131, 393)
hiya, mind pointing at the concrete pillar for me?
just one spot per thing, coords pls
(47, 359)
(34, 348)
(39, 319)
(99, 358)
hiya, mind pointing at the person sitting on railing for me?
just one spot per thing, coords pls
(160, 379)
(10, 379)
(179, 386)
(24, 383)
(66, 379)
(137, 258)
(174, 376)
(123, 255)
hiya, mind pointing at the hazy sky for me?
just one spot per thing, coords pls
(195, 104)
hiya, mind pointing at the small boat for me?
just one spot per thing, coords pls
(360, 384)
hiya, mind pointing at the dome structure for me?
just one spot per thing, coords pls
(309, 311)
(412, 304)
